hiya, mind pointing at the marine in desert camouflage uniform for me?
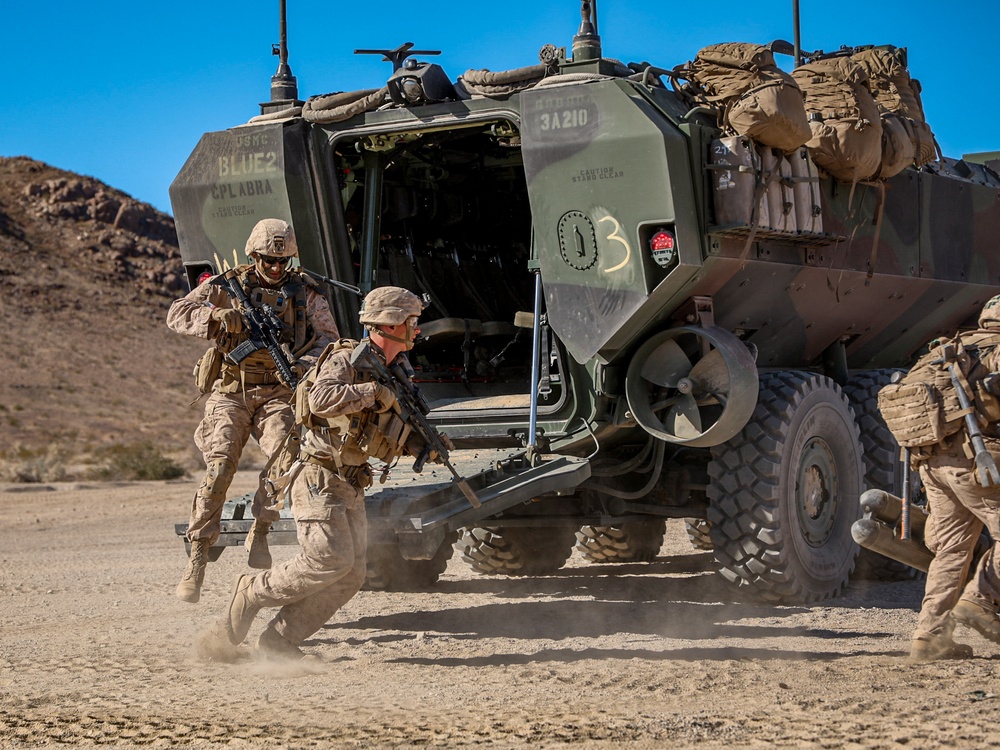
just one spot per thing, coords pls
(247, 399)
(327, 492)
(959, 507)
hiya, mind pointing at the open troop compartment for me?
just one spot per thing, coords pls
(453, 225)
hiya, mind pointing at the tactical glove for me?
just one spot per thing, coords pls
(231, 319)
(415, 446)
(449, 446)
(384, 397)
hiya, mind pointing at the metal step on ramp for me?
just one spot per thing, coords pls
(236, 522)
(417, 511)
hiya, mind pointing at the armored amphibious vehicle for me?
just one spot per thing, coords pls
(627, 321)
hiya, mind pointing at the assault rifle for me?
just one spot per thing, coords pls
(263, 326)
(985, 465)
(411, 410)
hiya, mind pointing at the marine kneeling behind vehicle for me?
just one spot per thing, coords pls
(645, 302)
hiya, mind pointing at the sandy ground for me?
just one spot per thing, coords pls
(95, 650)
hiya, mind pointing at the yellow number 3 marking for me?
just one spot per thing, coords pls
(614, 235)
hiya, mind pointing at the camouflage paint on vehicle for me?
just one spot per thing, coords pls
(607, 183)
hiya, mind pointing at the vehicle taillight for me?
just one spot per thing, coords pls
(662, 240)
(663, 248)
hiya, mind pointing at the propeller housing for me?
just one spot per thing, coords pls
(692, 386)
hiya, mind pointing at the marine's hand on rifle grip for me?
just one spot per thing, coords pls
(384, 397)
(231, 319)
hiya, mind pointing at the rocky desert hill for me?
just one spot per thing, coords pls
(86, 276)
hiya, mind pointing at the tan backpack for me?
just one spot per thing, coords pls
(923, 408)
(897, 93)
(844, 119)
(897, 147)
(757, 99)
(300, 402)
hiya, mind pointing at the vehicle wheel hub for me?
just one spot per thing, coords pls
(816, 490)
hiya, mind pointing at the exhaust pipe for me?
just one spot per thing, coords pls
(888, 509)
(877, 530)
(876, 536)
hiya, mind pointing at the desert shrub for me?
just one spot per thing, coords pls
(33, 466)
(137, 461)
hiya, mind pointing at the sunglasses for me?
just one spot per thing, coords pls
(271, 260)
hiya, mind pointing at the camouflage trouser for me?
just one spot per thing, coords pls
(959, 508)
(230, 419)
(333, 533)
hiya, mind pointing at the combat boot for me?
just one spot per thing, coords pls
(243, 607)
(981, 619)
(256, 544)
(271, 645)
(189, 589)
(937, 647)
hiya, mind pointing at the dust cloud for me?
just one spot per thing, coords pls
(95, 649)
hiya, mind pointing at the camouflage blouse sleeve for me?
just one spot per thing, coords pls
(336, 391)
(192, 313)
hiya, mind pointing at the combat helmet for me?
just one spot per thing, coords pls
(390, 306)
(272, 237)
(989, 317)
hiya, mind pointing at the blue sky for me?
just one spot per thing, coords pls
(122, 90)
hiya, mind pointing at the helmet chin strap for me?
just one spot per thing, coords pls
(411, 325)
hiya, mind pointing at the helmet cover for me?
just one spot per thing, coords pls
(989, 317)
(390, 305)
(272, 237)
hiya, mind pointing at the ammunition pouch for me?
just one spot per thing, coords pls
(359, 476)
(235, 379)
(384, 436)
(207, 369)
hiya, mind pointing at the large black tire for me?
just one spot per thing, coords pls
(637, 541)
(517, 550)
(784, 492)
(883, 469)
(388, 570)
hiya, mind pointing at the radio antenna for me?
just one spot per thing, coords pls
(284, 88)
(587, 42)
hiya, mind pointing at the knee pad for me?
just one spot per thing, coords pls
(218, 476)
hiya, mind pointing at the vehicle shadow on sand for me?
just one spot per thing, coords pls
(676, 598)
(714, 628)
(717, 653)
